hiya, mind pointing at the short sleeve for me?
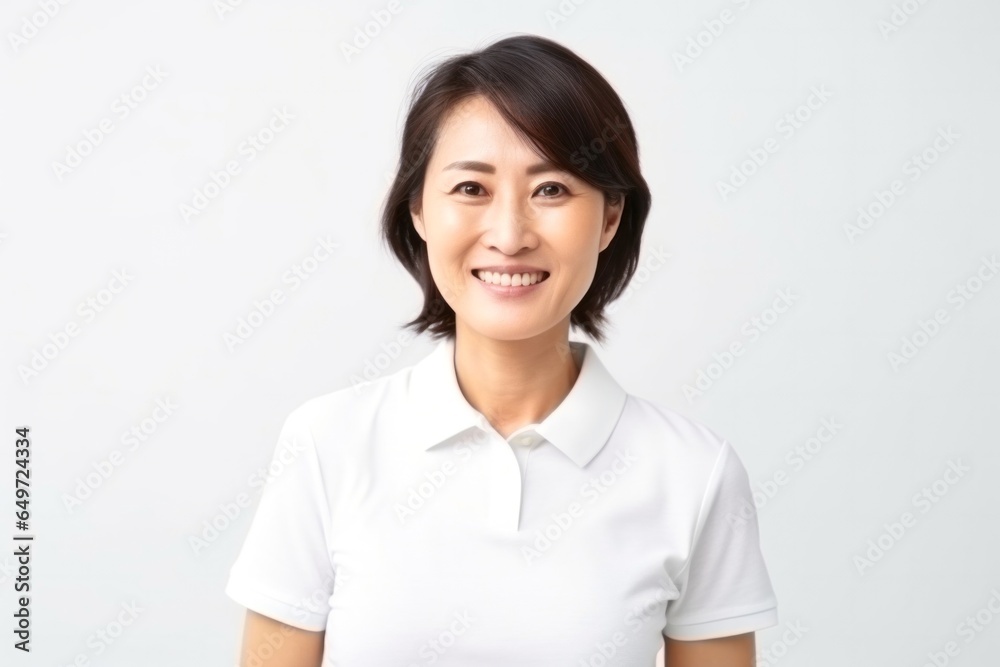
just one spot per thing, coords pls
(284, 569)
(724, 588)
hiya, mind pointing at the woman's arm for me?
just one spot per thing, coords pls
(271, 643)
(735, 651)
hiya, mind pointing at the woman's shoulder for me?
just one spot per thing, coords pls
(693, 455)
(680, 432)
(353, 401)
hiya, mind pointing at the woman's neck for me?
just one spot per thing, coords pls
(515, 382)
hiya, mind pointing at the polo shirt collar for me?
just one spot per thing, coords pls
(578, 427)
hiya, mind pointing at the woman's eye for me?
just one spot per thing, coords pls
(548, 191)
(464, 188)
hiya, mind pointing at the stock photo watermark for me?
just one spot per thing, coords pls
(107, 635)
(769, 656)
(224, 7)
(701, 41)
(364, 34)
(968, 629)
(652, 608)
(562, 12)
(88, 310)
(592, 490)
(786, 126)
(418, 495)
(32, 24)
(131, 439)
(248, 149)
(374, 367)
(923, 500)
(929, 328)
(286, 453)
(437, 646)
(121, 107)
(884, 199)
(410, 162)
(652, 263)
(797, 458)
(264, 308)
(585, 154)
(266, 649)
(316, 603)
(901, 14)
(752, 329)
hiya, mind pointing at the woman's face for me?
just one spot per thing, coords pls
(489, 200)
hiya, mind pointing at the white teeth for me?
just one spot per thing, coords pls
(514, 280)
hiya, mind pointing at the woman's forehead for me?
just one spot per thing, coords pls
(480, 133)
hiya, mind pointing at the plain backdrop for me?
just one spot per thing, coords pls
(849, 401)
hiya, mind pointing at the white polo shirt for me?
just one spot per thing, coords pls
(405, 526)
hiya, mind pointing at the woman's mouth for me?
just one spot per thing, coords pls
(511, 279)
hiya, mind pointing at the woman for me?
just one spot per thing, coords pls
(504, 501)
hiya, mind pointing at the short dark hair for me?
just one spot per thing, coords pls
(562, 106)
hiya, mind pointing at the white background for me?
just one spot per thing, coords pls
(161, 336)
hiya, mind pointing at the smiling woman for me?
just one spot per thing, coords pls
(505, 501)
(477, 218)
(522, 132)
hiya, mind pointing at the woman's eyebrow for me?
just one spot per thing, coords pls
(475, 165)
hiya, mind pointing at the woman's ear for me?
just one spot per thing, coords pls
(612, 221)
(418, 221)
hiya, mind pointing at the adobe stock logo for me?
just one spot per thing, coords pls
(704, 39)
(900, 16)
(103, 469)
(105, 636)
(915, 166)
(223, 7)
(593, 490)
(122, 106)
(435, 647)
(375, 366)
(752, 329)
(924, 500)
(928, 329)
(381, 18)
(796, 458)
(88, 309)
(790, 123)
(253, 145)
(653, 262)
(285, 456)
(562, 12)
(31, 25)
(264, 309)
(969, 628)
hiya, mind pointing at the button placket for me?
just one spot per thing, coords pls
(505, 486)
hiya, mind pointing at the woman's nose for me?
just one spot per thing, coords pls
(509, 224)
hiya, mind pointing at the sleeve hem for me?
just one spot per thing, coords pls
(265, 604)
(723, 627)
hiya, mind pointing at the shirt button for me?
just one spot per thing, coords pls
(523, 439)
